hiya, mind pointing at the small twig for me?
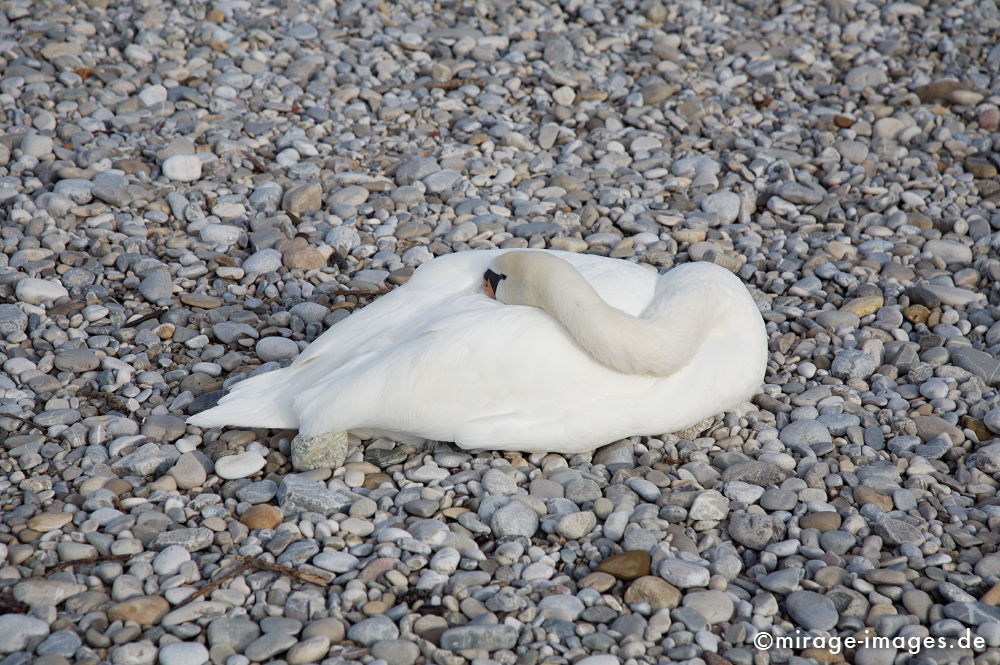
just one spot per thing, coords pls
(88, 561)
(132, 323)
(215, 584)
(283, 570)
(348, 292)
(258, 163)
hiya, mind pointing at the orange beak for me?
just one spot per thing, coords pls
(488, 288)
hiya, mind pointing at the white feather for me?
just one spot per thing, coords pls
(438, 359)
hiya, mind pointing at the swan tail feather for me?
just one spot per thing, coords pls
(259, 401)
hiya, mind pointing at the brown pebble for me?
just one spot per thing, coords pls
(598, 581)
(262, 516)
(826, 521)
(306, 258)
(916, 314)
(980, 166)
(991, 597)
(939, 90)
(822, 655)
(144, 610)
(374, 480)
(656, 591)
(844, 121)
(864, 495)
(864, 306)
(626, 566)
(201, 300)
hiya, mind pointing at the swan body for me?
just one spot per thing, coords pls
(575, 352)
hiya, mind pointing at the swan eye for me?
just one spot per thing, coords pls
(493, 279)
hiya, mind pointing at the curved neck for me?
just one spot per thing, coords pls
(656, 345)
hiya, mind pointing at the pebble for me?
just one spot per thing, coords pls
(182, 168)
(17, 630)
(38, 291)
(239, 466)
(183, 653)
(514, 519)
(811, 610)
(375, 629)
(262, 262)
(654, 591)
(482, 637)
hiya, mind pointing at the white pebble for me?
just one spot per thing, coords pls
(36, 291)
(183, 168)
(153, 94)
(243, 465)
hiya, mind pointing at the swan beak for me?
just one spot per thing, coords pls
(488, 288)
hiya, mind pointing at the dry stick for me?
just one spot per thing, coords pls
(90, 560)
(348, 292)
(145, 317)
(215, 584)
(278, 568)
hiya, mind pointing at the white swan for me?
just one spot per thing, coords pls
(574, 352)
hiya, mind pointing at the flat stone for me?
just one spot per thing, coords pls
(242, 465)
(191, 539)
(376, 629)
(17, 630)
(484, 637)
(269, 645)
(311, 650)
(811, 610)
(979, 363)
(144, 610)
(394, 652)
(43, 592)
(276, 348)
(37, 291)
(626, 566)
(715, 606)
(296, 494)
(45, 522)
(183, 653)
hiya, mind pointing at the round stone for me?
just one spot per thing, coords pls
(262, 516)
(276, 348)
(514, 519)
(263, 261)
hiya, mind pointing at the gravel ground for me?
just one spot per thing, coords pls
(192, 192)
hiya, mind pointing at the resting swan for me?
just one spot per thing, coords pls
(529, 350)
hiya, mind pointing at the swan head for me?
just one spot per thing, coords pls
(526, 277)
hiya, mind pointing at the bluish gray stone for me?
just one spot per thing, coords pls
(811, 610)
(191, 539)
(296, 494)
(375, 629)
(514, 519)
(486, 637)
(853, 364)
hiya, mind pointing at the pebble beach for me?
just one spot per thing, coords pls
(192, 192)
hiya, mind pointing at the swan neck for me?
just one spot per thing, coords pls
(656, 346)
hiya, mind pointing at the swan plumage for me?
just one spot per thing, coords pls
(439, 359)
